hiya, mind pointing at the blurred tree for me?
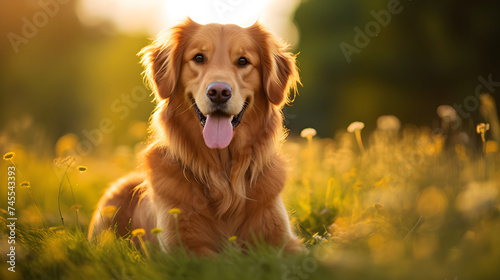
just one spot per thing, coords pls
(68, 77)
(430, 53)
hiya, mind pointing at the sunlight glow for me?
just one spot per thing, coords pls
(243, 13)
(128, 15)
(152, 16)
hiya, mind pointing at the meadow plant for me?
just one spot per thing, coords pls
(139, 233)
(308, 133)
(410, 206)
(176, 212)
(356, 128)
(65, 164)
(24, 184)
(82, 169)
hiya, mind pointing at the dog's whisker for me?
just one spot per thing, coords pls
(184, 111)
(260, 110)
(179, 106)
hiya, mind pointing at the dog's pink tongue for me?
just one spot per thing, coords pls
(218, 131)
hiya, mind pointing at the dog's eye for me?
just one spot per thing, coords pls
(198, 58)
(242, 61)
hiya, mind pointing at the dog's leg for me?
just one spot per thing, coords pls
(293, 244)
(270, 221)
(116, 207)
(191, 230)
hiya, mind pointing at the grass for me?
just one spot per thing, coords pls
(413, 205)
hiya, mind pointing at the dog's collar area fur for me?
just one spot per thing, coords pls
(235, 121)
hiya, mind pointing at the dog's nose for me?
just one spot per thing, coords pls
(219, 92)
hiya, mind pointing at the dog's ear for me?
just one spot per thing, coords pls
(162, 59)
(161, 70)
(279, 72)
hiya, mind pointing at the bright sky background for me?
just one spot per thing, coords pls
(154, 15)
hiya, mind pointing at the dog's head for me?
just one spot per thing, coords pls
(220, 72)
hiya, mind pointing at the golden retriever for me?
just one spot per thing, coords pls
(214, 148)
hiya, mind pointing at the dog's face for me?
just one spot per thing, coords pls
(221, 75)
(220, 71)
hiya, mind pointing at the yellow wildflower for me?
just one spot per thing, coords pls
(378, 206)
(232, 238)
(138, 232)
(81, 168)
(174, 211)
(482, 128)
(156, 230)
(9, 156)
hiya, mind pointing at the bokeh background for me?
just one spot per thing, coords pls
(77, 65)
(416, 203)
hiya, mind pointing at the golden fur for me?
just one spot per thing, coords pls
(221, 192)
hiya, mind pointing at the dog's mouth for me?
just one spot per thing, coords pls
(218, 127)
(235, 121)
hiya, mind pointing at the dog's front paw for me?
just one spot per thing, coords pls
(294, 246)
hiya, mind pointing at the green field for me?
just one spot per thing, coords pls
(415, 204)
